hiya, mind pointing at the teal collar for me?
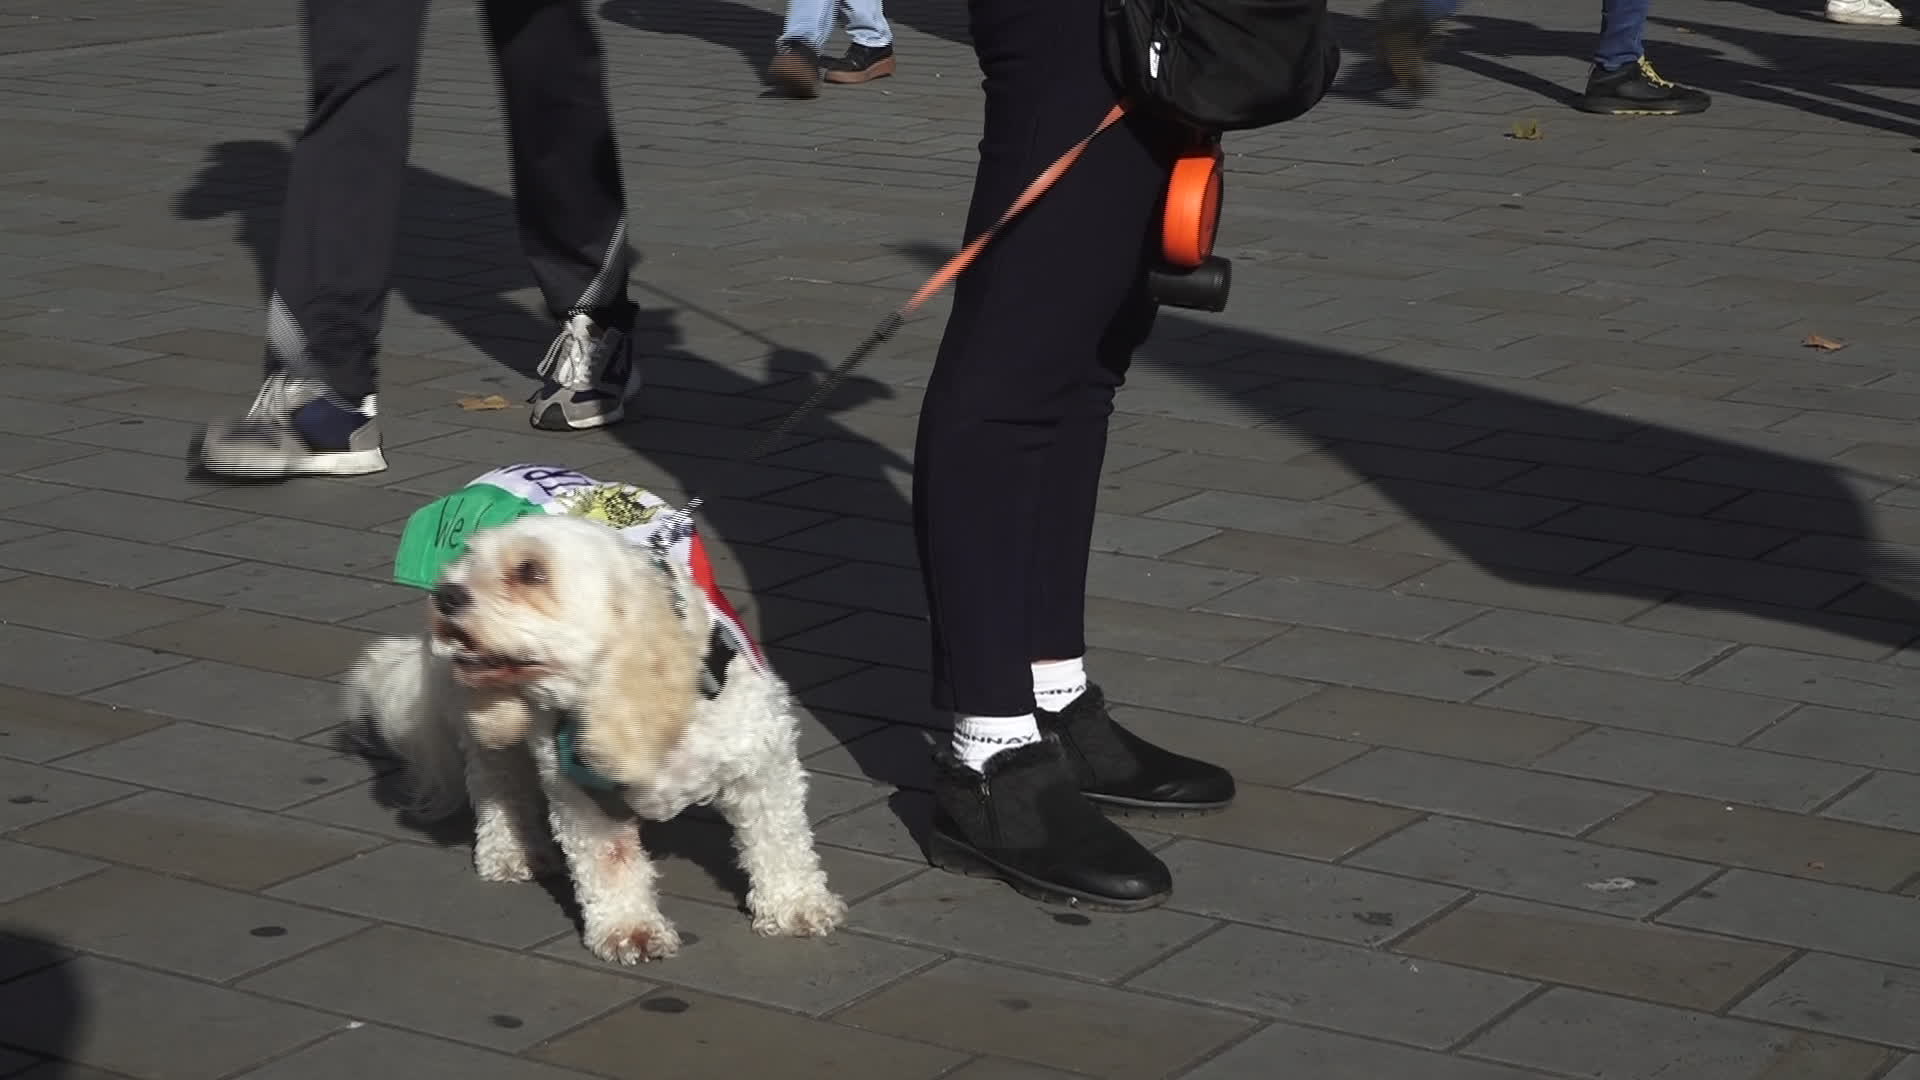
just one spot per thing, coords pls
(720, 654)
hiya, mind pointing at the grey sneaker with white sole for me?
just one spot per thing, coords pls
(587, 377)
(297, 426)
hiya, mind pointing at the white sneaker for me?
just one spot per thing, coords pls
(1863, 12)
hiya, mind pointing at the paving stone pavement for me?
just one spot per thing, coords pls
(1553, 600)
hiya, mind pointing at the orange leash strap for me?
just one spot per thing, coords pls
(940, 280)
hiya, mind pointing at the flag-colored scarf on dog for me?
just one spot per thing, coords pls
(437, 533)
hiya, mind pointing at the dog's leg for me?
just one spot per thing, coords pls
(510, 841)
(787, 890)
(612, 877)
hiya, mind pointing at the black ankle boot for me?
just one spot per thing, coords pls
(1117, 768)
(1023, 820)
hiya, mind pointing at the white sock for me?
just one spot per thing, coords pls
(1059, 683)
(977, 738)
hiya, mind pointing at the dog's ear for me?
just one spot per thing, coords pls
(497, 719)
(641, 701)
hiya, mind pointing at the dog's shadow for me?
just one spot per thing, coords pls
(697, 836)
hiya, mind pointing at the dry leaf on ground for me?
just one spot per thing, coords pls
(484, 404)
(1526, 129)
(1824, 344)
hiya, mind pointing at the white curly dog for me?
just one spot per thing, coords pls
(562, 660)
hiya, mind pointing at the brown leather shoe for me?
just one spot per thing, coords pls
(795, 69)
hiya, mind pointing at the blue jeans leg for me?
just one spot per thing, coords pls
(866, 25)
(1623, 27)
(1440, 9)
(811, 21)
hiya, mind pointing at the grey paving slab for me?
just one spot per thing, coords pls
(280, 590)
(176, 926)
(1345, 987)
(1734, 774)
(368, 1050)
(1286, 1050)
(1299, 895)
(206, 841)
(1201, 689)
(84, 610)
(1091, 1030)
(1596, 952)
(104, 561)
(1572, 1031)
(61, 664)
(32, 793)
(1460, 731)
(1532, 866)
(1887, 800)
(186, 1028)
(1626, 701)
(1875, 741)
(1342, 607)
(1853, 998)
(682, 1033)
(227, 695)
(1819, 680)
(1769, 840)
(721, 954)
(1804, 914)
(1476, 790)
(30, 869)
(507, 1000)
(1585, 643)
(227, 766)
(1399, 667)
(1119, 626)
(977, 918)
(434, 890)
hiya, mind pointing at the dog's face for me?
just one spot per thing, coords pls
(561, 612)
(530, 603)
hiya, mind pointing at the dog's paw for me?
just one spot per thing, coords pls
(503, 862)
(635, 944)
(810, 915)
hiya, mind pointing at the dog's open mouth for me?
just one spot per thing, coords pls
(474, 664)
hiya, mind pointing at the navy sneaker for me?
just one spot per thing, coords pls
(586, 377)
(297, 426)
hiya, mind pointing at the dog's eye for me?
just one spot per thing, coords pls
(530, 572)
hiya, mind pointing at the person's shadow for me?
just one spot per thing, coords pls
(747, 504)
(1537, 492)
(43, 1007)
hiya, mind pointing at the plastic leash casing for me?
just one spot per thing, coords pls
(1190, 217)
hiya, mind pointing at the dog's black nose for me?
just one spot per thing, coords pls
(451, 598)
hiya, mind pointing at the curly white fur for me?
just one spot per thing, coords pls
(549, 614)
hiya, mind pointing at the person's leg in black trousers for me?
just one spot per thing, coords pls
(315, 413)
(1007, 468)
(570, 202)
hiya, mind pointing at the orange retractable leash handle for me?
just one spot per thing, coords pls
(1191, 275)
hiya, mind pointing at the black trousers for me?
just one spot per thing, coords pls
(342, 207)
(1014, 425)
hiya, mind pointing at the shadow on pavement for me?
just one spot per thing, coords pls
(43, 1007)
(1537, 492)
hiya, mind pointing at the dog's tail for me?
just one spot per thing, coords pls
(396, 697)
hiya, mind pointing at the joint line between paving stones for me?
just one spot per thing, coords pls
(1819, 809)
(1541, 989)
